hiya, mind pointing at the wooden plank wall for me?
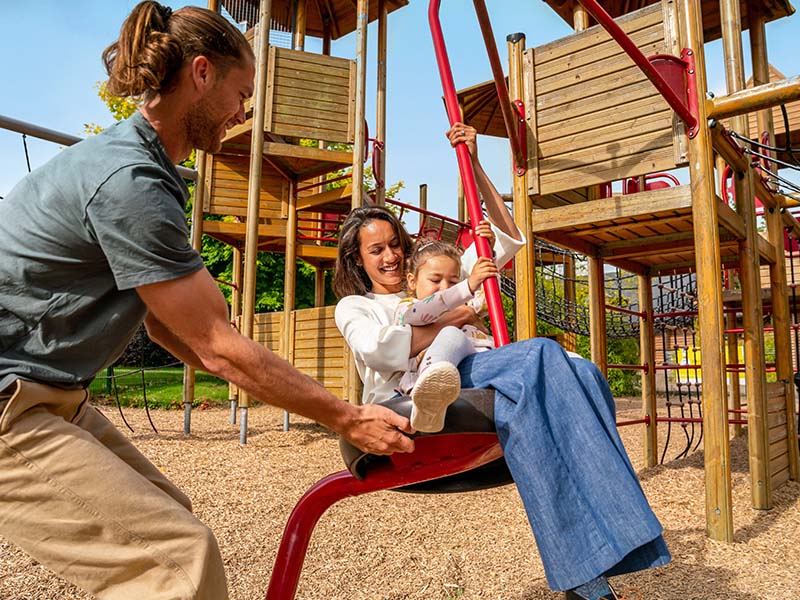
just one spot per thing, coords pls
(597, 118)
(317, 348)
(310, 95)
(229, 175)
(267, 329)
(776, 422)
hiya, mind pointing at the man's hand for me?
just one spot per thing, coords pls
(377, 430)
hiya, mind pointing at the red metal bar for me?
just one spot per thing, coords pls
(500, 85)
(615, 31)
(627, 311)
(645, 421)
(434, 457)
(630, 367)
(491, 286)
(695, 420)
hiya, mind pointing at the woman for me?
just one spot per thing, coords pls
(554, 414)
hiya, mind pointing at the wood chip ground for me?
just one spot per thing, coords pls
(390, 546)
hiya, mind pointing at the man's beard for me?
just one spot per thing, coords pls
(202, 131)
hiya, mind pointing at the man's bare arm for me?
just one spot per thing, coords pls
(194, 312)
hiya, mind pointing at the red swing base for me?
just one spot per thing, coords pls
(435, 456)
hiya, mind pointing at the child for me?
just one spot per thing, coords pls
(435, 287)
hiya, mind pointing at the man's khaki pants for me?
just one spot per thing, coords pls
(80, 499)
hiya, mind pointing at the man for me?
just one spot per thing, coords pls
(92, 244)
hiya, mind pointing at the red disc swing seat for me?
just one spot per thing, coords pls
(464, 456)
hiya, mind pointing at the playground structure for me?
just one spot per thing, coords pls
(580, 113)
(572, 140)
(584, 114)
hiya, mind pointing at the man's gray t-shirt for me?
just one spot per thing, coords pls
(76, 237)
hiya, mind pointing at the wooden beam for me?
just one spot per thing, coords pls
(362, 18)
(749, 272)
(647, 356)
(758, 97)
(380, 102)
(597, 314)
(525, 262)
(719, 509)
(781, 318)
(254, 186)
(617, 207)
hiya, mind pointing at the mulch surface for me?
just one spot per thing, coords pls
(390, 546)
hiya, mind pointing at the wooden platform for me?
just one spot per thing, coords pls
(649, 232)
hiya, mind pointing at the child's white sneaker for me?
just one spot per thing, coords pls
(437, 388)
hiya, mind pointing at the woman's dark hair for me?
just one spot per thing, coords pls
(425, 248)
(154, 43)
(350, 278)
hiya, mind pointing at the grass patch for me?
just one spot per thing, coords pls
(164, 388)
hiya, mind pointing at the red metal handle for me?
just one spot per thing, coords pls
(491, 286)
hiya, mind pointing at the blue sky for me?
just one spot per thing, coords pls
(51, 62)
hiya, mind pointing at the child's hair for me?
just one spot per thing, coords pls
(425, 248)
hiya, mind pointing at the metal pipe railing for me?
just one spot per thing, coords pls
(65, 139)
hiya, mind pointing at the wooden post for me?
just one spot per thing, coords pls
(597, 313)
(380, 103)
(299, 37)
(254, 189)
(749, 274)
(719, 515)
(580, 22)
(319, 286)
(423, 197)
(196, 240)
(781, 319)
(580, 18)
(570, 299)
(362, 18)
(236, 315)
(289, 283)
(525, 261)
(647, 354)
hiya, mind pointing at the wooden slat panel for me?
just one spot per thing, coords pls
(649, 38)
(339, 68)
(320, 102)
(662, 159)
(776, 419)
(311, 59)
(778, 463)
(602, 137)
(329, 119)
(595, 36)
(603, 100)
(593, 68)
(603, 117)
(587, 91)
(318, 363)
(779, 478)
(288, 117)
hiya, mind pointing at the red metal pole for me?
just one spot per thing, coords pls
(491, 286)
(616, 32)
